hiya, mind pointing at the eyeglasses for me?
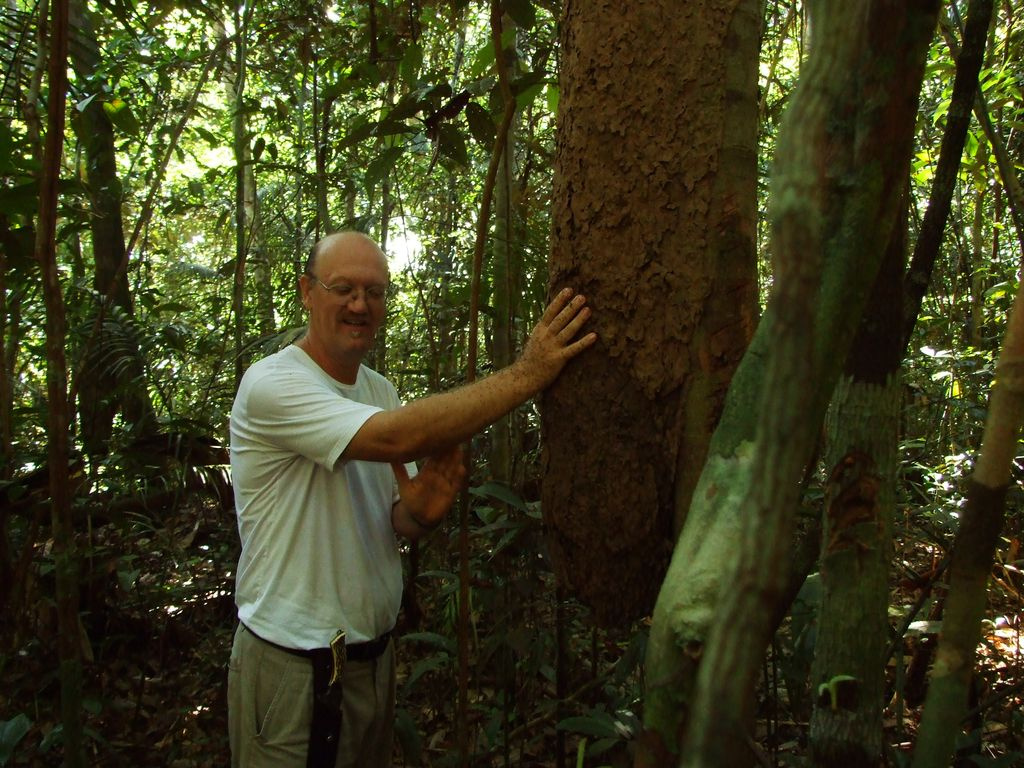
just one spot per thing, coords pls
(346, 293)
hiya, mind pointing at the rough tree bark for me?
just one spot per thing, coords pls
(654, 221)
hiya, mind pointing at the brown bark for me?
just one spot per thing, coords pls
(654, 222)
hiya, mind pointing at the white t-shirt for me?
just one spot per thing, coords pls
(318, 550)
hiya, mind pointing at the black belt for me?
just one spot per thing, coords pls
(328, 667)
(368, 651)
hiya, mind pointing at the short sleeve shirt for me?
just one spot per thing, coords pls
(319, 552)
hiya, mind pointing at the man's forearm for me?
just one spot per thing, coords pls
(431, 424)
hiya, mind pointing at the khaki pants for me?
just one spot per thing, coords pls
(270, 705)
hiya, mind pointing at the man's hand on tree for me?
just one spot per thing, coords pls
(553, 341)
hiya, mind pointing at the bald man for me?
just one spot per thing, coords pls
(322, 454)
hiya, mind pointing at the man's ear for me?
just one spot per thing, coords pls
(304, 290)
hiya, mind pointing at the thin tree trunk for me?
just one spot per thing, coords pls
(106, 388)
(849, 654)
(504, 287)
(320, 120)
(59, 413)
(242, 162)
(965, 91)
(301, 150)
(847, 677)
(7, 363)
(973, 548)
(482, 229)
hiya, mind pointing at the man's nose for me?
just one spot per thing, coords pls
(358, 301)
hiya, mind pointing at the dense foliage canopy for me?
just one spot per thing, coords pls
(207, 148)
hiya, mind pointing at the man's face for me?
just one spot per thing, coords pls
(345, 297)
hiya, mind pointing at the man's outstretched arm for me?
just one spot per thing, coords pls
(434, 424)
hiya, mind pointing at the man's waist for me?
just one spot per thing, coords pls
(365, 651)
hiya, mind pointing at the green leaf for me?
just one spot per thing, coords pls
(482, 62)
(408, 738)
(381, 166)
(831, 687)
(209, 135)
(410, 64)
(525, 97)
(427, 665)
(552, 95)
(172, 306)
(501, 492)
(997, 291)
(481, 125)
(433, 639)
(83, 105)
(599, 725)
(121, 115)
(407, 106)
(358, 132)
(11, 732)
(452, 144)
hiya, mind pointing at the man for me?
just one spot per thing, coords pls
(318, 442)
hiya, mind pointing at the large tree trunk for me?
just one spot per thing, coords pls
(654, 186)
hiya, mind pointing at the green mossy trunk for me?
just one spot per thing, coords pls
(861, 457)
(848, 674)
(842, 160)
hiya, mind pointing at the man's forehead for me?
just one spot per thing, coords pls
(351, 252)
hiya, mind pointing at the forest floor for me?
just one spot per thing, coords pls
(159, 617)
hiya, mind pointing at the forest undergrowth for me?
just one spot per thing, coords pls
(158, 613)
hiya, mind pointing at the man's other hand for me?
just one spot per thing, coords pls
(427, 497)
